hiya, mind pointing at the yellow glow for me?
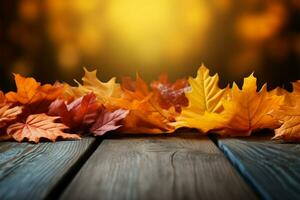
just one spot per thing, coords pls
(136, 33)
(156, 29)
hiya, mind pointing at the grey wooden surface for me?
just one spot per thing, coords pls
(181, 167)
(273, 168)
(32, 171)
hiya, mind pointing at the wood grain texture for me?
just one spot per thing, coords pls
(31, 171)
(185, 167)
(272, 168)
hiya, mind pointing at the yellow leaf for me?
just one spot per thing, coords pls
(205, 105)
(289, 115)
(248, 110)
(90, 83)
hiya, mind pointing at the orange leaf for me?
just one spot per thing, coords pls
(34, 97)
(248, 110)
(137, 89)
(7, 113)
(39, 126)
(29, 91)
(146, 115)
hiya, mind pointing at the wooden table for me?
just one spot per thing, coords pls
(180, 166)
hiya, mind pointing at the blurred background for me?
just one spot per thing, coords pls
(53, 39)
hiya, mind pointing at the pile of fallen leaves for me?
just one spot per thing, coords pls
(93, 107)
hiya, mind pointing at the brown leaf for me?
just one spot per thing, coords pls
(39, 126)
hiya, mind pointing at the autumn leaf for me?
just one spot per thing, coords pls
(135, 89)
(108, 121)
(143, 118)
(8, 115)
(77, 114)
(39, 126)
(205, 103)
(146, 115)
(248, 110)
(34, 96)
(90, 83)
(171, 94)
(289, 115)
(296, 88)
(8, 112)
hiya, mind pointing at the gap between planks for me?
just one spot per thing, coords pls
(63, 183)
(183, 166)
(39, 171)
(272, 168)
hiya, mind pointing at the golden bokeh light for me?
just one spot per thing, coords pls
(55, 38)
(153, 30)
(139, 32)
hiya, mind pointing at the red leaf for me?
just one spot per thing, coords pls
(77, 114)
(39, 126)
(171, 94)
(108, 121)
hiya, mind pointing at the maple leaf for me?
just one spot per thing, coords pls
(8, 115)
(296, 87)
(7, 112)
(103, 91)
(144, 118)
(39, 126)
(108, 121)
(205, 105)
(248, 110)
(289, 115)
(135, 90)
(33, 95)
(78, 113)
(146, 115)
(171, 94)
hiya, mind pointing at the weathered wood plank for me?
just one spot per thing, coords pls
(158, 167)
(272, 168)
(32, 171)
